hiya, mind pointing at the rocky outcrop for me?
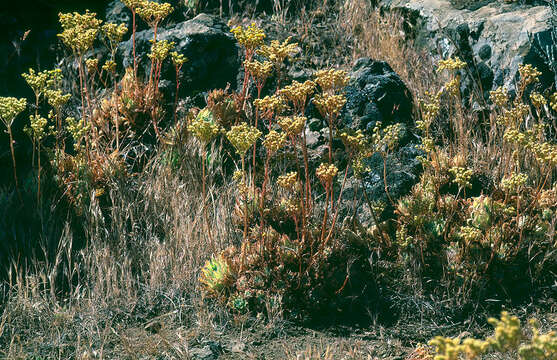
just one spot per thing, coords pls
(375, 93)
(492, 37)
(207, 43)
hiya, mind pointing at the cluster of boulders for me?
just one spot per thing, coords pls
(492, 37)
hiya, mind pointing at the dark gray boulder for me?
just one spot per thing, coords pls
(376, 93)
(207, 43)
(116, 12)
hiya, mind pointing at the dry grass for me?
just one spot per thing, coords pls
(138, 272)
(382, 36)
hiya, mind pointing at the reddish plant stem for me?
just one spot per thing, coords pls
(326, 214)
(153, 59)
(178, 68)
(255, 143)
(306, 170)
(337, 207)
(14, 162)
(133, 44)
(87, 140)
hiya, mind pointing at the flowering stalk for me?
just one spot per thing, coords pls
(250, 38)
(10, 108)
(178, 60)
(204, 128)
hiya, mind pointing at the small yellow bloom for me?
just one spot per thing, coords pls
(242, 137)
(528, 74)
(331, 80)
(288, 181)
(292, 125)
(500, 96)
(203, 126)
(10, 108)
(451, 64)
(537, 100)
(326, 172)
(274, 141)
(250, 37)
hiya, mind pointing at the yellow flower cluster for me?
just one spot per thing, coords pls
(277, 52)
(359, 166)
(462, 176)
(288, 181)
(514, 182)
(329, 105)
(77, 128)
(178, 59)
(514, 116)
(357, 141)
(500, 96)
(508, 332)
(553, 101)
(56, 98)
(270, 105)
(38, 127)
(331, 80)
(238, 175)
(259, 70)
(242, 137)
(274, 141)
(292, 125)
(451, 64)
(326, 172)
(133, 4)
(545, 153)
(453, 86)
(10, 108)
(470, 234)
(79, 31)
(291, 206)
(507, 338)
(537, 100)
(427, 145)
(203, 126)
(160, 50)
(452, 349)
(113, 32)
(298, 93)
(92, 65)
(359, 148)
(430, 109)
(152, 12)
(542, 346)
(387, 139)
(250, 37)
(528, 74)
(42, 81)
(109, 66)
